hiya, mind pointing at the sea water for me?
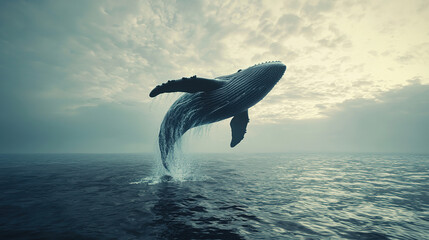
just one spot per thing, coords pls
(215, 196)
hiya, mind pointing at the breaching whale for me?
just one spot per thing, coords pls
(211, 100)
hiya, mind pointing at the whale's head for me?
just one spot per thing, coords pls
(247, 87)
(264, 74)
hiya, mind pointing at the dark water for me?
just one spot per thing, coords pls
(263, 196)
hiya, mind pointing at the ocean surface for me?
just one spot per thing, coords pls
(215, 196)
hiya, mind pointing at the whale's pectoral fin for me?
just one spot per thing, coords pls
(190, 85)
(238, 127)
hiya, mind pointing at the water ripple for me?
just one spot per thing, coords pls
(258, 196)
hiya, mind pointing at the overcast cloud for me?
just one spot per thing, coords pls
(75, 75)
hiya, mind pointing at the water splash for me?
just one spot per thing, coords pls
(182, 167)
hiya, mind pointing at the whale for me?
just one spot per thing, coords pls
(209, 100)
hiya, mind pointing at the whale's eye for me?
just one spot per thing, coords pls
(239, 70)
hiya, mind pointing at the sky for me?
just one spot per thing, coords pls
(75, 75)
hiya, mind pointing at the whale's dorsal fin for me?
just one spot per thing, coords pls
(238, 127)
(190, 85)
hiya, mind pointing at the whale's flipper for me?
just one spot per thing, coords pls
(238, 127)
(190, 85)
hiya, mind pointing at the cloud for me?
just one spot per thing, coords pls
(93, 129)
(63, 61)
(394, 122)
(290, 23)
(315, 8)
(107, 50)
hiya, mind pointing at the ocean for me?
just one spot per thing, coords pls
(215, 196)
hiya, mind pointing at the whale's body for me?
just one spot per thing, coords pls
(219, 99)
